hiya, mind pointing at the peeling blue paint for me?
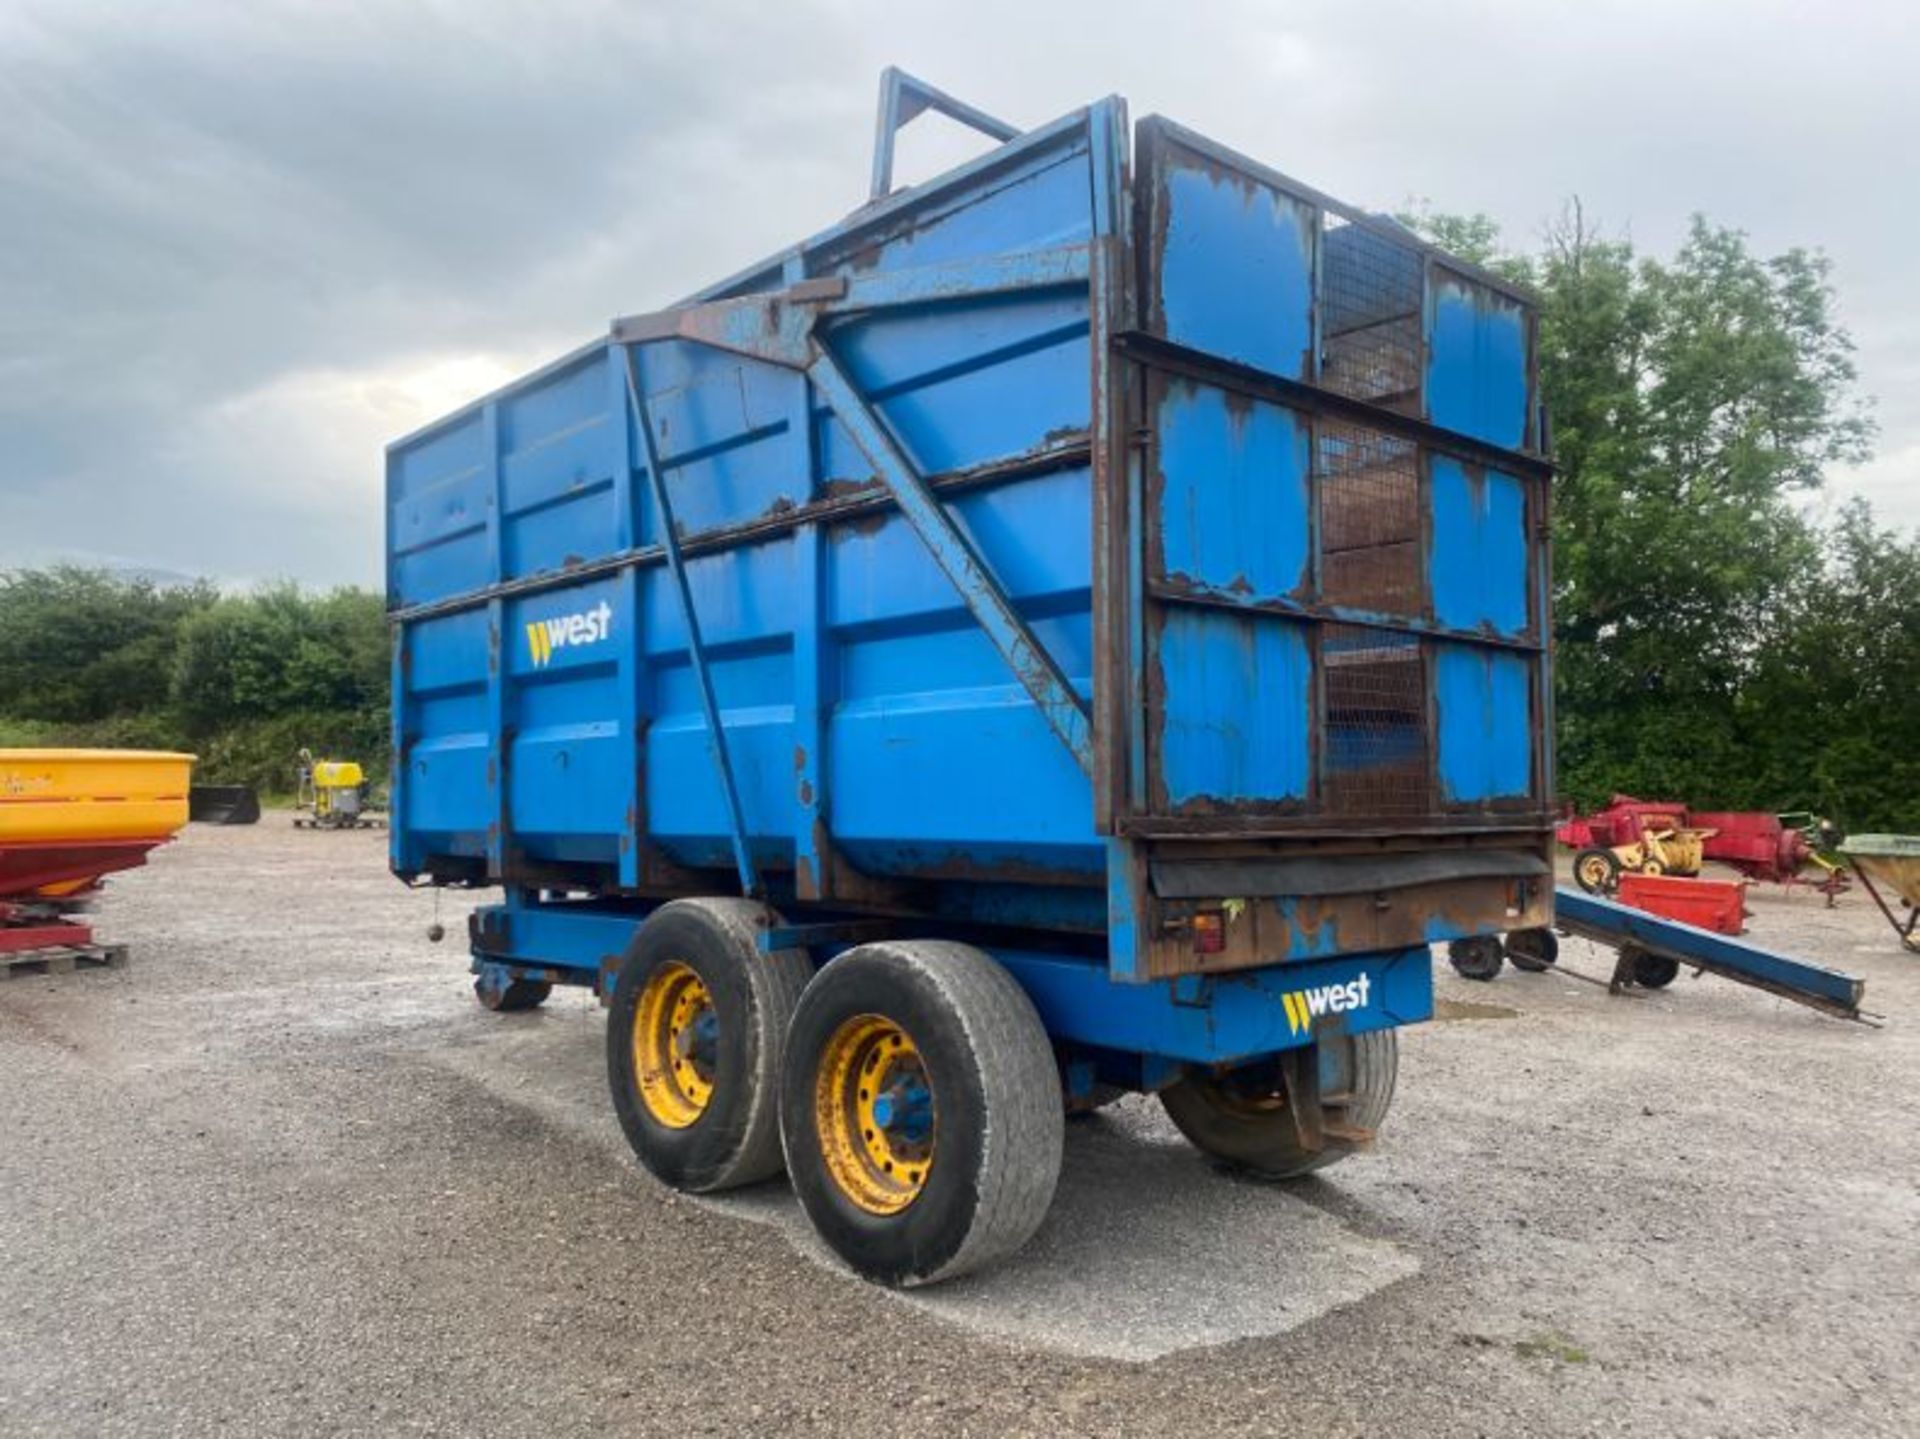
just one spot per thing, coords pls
(1237, 692)
(1484, 698)
(1238, 266)
(1233, 501)
(1478, 378)
(1479, 555)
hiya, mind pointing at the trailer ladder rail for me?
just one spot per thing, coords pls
(1622, 927)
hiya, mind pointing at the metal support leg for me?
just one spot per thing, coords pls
(670, 542)
(1905, 931)
(1300, 1076)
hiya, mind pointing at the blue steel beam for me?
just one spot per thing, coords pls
(670, 542)
(1219, 1019)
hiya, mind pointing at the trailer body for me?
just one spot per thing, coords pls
(1112, 551)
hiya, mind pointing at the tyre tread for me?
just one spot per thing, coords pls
(774, 986)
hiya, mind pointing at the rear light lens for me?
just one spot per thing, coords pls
(1209, 932)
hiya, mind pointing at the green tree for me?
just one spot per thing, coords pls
(278, 651)
(88, 658)
(1828, 721)
(1695, 401)
(82, 646)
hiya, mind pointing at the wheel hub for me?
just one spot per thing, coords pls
(676, 1038)
(876, 1113)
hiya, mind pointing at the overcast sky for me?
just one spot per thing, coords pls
(247, 244)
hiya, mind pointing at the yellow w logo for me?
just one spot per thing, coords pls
(1299, 1017)
(539, 644)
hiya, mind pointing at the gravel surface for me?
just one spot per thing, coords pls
(281, 1175)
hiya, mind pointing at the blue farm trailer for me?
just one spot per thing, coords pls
(1076, 626)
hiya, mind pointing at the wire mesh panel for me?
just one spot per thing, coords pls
(1371, 296)
(1375, 756)
(1369, 519)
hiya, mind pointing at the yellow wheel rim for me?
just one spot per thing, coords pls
(675, 1036)
(874, 1109)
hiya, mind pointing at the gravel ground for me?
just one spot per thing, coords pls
(282, 1175)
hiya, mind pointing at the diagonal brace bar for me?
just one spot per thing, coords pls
(750, 884)
(1032, 665)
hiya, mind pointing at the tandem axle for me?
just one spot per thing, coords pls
(893, 1062)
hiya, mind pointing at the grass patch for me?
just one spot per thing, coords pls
(1557, 1347)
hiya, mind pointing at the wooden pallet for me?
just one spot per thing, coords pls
(63, 959)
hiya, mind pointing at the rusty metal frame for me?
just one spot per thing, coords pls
(904, 97)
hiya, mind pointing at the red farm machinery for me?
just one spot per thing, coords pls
(1658, 838)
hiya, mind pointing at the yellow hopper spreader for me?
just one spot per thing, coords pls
(69, 816)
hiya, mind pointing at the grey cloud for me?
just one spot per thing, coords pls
(236, 235)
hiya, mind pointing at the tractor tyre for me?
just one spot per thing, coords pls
(1533, 950)
(1596, 870)
(1653, 971)
(495, 988)
(1477, 958)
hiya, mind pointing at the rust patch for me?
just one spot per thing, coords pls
(806, 793)
(1002, 872)
(799, 758)
(1320, 927)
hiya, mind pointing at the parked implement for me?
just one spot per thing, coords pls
(223, 804)
(68, 817)
(1713, 904)
(1631, 836)
(1777, 847)
(1080, 623)
(1657, 837)
(332, 794)
(1892, 860)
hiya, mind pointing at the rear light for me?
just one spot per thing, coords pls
(1209, 932)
